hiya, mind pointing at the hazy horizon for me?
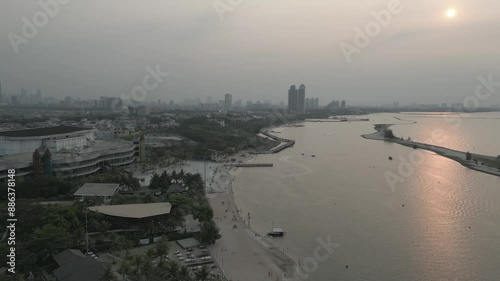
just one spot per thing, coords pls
(95, 48)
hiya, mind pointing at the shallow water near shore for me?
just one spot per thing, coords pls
(441, 223)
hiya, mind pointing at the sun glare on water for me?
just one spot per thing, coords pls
(451, 13)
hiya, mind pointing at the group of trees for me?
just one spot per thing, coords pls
(62, 189)
(43, 231)
(204, 135)
(115, 175)
(45, 187)
(193, 202)
(388, 134)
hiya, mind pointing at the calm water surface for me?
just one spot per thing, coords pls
(448, 229)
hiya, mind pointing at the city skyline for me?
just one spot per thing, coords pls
(205, 56)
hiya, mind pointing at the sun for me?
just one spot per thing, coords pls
(451, 13)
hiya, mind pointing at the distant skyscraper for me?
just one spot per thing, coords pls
(292, 99)
(228, 101)
(301, 99)
(297, 99)
(342, 104)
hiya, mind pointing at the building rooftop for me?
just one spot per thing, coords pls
(75, 266)
(42, 131)
(188, 243)
(97, 189)
(134, 211)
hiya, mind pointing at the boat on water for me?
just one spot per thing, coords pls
(276, 232)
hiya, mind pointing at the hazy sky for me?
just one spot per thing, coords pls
(93, 48)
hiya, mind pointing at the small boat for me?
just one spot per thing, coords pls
(276, 232)
(390, 157)
(313, 155)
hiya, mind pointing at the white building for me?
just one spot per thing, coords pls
(54, 138)
(60, 151)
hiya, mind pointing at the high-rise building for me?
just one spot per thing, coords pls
(311, 104)
(296, 99)
(342, 104)
(292, 99)
(228, 101)
(301, 99)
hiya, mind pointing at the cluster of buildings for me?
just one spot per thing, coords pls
(24, 97)
(336, 105)
(311, 104)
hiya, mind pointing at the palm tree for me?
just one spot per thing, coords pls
(147, 264)
(182, 173)
(108, 275)
(202, 274)
(172, 270)
(174, 175)
(184, 274)
(162, 248)
(136, 264)
(125, 268)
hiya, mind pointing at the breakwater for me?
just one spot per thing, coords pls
(284, 143)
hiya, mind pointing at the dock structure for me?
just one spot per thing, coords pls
(251, 165)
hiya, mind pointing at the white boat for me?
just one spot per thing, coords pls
(276, 232)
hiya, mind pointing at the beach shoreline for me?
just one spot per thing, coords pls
(261, 258)
(241, 252)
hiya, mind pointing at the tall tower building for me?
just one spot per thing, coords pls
(228, 101)
(301, 99)
(292, 99)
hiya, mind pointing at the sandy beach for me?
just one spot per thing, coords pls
(242, 254)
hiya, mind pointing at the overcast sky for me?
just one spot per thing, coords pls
(93, 48)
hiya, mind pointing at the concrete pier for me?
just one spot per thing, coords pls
(250, 165)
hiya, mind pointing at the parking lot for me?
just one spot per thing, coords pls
(194, 258)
